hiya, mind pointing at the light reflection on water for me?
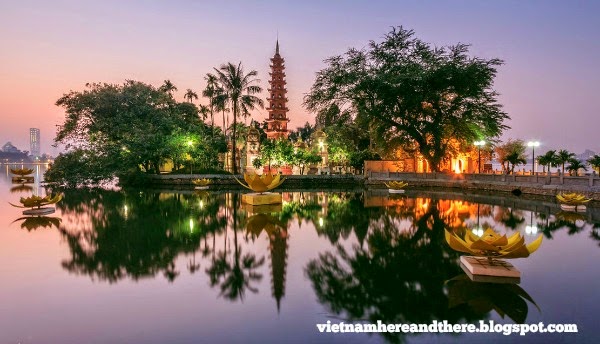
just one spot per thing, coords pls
(187, 267)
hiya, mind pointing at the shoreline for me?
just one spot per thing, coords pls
(503, 183)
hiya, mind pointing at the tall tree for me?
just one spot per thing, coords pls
(548, 159)
(211, 92)
(123, 129)
(239, 91)
(190, 95)
(511, 154)
(411, 92)
(575, 165)
(595, 162)
(168, 87)
(563, 156)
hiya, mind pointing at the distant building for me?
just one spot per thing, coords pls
(9, 148)
(34, 142)
(11, 154)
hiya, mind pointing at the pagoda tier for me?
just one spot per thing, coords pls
(278, 245)
(277, 109)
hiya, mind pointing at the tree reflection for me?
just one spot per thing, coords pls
(234, 276)
(113, 235)
(345, 213)
(399, 278)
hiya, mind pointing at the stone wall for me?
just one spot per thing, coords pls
(536, 184)
(291, 181)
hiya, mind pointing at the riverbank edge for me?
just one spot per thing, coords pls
(353, 181)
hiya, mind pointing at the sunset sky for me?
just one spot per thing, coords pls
(548, 85)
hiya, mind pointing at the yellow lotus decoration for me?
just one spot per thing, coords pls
(262, 183)
(259, 222)
(21, 188)
(572, 198)
(492, 245)
(21, 171)
(201, 182)
(569, 216)
(37, 201)
(34, 222)
(396, 185)
(505, 298)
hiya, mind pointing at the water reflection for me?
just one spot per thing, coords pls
(399, 277)
(506, 299)
(32, 223)
(386, 257)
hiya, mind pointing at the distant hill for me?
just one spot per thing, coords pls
(585, 155)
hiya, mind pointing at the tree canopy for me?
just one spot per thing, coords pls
(412, 93)
(130, 127)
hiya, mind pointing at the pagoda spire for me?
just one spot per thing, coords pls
(278, 120)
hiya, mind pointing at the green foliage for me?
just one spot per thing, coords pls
(511, 154)
(357, 159)
(575, 165)
(238, 93)
(562, 157)
(79, 167)
(404, 91)
(595, 162)
(130, 128)
(548, 159)
(303, 133)
(306, 157)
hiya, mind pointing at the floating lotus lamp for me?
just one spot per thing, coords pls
(267, 222)
(492, 245)
(21, 171)
(505, 298)
(570, 216)
(22, 175)
(34, 222)
(21, 188)
(572, 201)
(37, 203)
(487, 249)
(260, 185)
(201, 184)
(396, 186)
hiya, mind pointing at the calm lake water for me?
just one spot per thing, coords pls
(200, 267)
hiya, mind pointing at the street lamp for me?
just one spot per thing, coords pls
(479, 144)
(533, 144)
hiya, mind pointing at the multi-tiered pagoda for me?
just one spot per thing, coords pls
(277, 121)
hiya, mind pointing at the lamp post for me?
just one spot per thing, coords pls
(533, 144)
(479, 144)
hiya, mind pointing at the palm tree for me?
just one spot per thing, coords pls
(168, 87)
(548, 159)
(203, 111)
(575, 165)
(563, 156)
(595, 162)
(239, 91)
(190, 95)
(515, 159)
(211, 92)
